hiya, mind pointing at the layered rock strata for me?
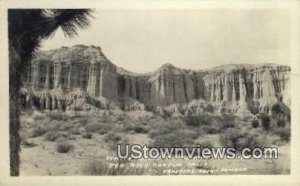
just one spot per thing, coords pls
(228, 88)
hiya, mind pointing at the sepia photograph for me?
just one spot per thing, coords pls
(150, 91)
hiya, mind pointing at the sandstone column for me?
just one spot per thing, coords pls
(36, 74)
(242, 88)
(212, 92)
(132, 88)
(57, 74)
(47, 83)
(48, 102)
(70, 76)
(92, 81)
(101, 82)
(233, 91)
(162, 85)
(268, 88)
(255, 91)
(226, 89)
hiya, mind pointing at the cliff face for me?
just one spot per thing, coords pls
(229, 88)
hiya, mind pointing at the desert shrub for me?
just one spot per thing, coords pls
(75, 131)
(192, 121)
(102, 119)
(228, 121)
(205, 144)
(252, 141)
(175, 138)
(255, 123)
(52, 135)
(98, 127)
(96, 167)
(38, 117)
(71, 137)
(166, 126)
(288, 117)
(28, 144)
(87, 136)
(59, 116)
(172, 132)
(137, 128)
(211, 129)
(187, 133)
(238, 140)
(247, 117)
(281, 123)
(164, 114)
(39, 131)
(199, 131)
(283, 133)
(121, 117)
(230, 137)
(196, 121)
(104, 129)
(63, 146)
(168, 140)
(147, 118)
(83, 121)
(64, 126)
(265, 122)
(154, 133)
(276, 109)
(113, 139)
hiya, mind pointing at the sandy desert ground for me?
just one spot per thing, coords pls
(60, 144)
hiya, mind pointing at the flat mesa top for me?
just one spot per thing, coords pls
(78, 53)
(93, 54)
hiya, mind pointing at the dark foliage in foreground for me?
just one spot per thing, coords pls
(27, 28)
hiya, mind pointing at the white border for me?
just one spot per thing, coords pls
(292, 179)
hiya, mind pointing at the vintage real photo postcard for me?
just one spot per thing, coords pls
(188, 91)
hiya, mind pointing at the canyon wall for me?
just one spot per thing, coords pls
(85, 69)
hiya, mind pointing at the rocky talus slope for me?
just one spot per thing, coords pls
(82, 78)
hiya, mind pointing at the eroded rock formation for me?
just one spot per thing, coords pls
(81, 77)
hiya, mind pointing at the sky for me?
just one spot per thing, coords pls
(143, 40)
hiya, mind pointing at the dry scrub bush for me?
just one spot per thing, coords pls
(27, 144)
(166, 127)
(52, 135)
(113, 139)
(196, 121)
(265, 122)
(63, 146)
(83, 121)
(38, 117)
(168, 140)
(281, 123)
(211, 129)
(227, 121)
(136, 127)
(172, 133)
(101, 128)
(283, 133)
(255, 123)
(87, 136)
(59, 116)
(238, 140)
(39, 131)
